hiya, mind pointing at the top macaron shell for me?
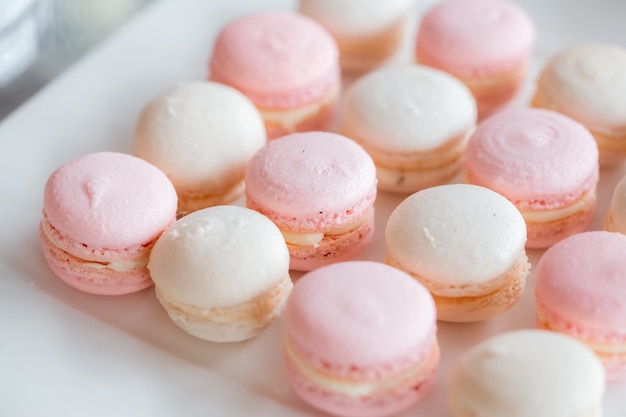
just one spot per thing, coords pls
(201, 134)
(409, 108)
(527, 373)
(361, 313)
(311, 181)
(278, 59)
(355, 18)
(456, 235)
(475, 37)
(109, 200)
(588, 83)
(538, 159)
(218, 257)
(581, 279)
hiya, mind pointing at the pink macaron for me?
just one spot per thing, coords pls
(360, 339)
(319, 189)
(580, 290)
(487, 44)
(286, 64)
(102, 213)
(545, 163)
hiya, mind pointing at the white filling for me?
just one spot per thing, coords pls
(544, 216)
(289, 119)
(314, 239)
(119, 266)
(349, 388)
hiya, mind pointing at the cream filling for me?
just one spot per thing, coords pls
(544, 216)
(349, 388)
(604, 349)
(314, 239)
(288, 120)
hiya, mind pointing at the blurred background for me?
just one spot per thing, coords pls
(41, 38)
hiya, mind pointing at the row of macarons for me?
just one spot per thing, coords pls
(360, 336)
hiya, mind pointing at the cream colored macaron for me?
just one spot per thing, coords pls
(414, 121)
(201, 134)
(527, 373)
(465, 243)
(587, 82)
(222, 273)
(615, 217)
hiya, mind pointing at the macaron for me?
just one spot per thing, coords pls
(414, 121)
(527, 373)
(464, 243)
(286, 63)
(102, 213)
(360, 339)
(545, 163)
(487, 44)
(201, 134)
(369, 33)
(580, 290)
(222, 273)
(615, 216)
(319, 188)
(586, 82)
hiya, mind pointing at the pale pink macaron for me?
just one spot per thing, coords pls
(286, 63)
(580, 290)
(360, 339)
(487, 44)
(545, 163)
(102, 213)
(319, 188)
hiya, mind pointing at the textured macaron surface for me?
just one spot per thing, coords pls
(539, 159)
(277, 58)
(588, 82)
(201, 134)
(316, 179)
(408, 108)
(527, 373)
(456, 234)
(360, 313)
(109, 200)
(582, 280)
(475, 36)
(217, 257)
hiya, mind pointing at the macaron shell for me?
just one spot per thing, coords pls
(313, 181)
(587, 82)
(581, 281)
(109, 200)
(475, 37)
(615, 219)
(278, 59)
(503, 155)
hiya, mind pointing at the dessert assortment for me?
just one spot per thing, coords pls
(474, 184)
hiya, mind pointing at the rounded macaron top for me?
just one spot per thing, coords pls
(360, 313)
(312, 179)
(201, 134)
(218, 257)
(278, 59)
(538, 159)
(408, 108)
(527, 373)
(588, 83)
(475, 37)
(354, 18)
(456, 235)
(581, 280)
(109, 200)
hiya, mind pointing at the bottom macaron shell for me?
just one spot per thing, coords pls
(322, 120)
(388, 402)
(100, 281)
(232, 323)
(490, 98)
(544, 235)
(332, 248)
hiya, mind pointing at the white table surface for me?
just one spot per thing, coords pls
(65, 353)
